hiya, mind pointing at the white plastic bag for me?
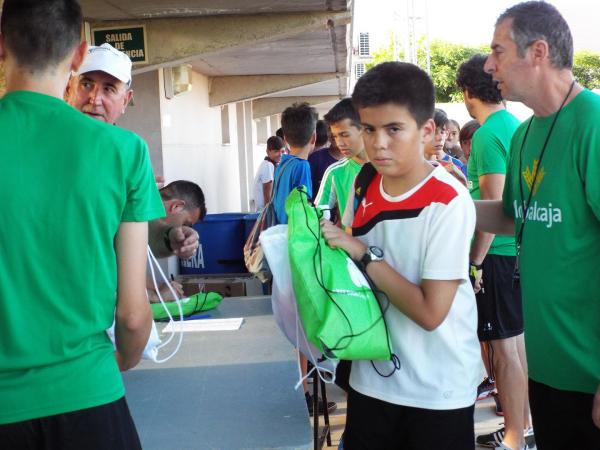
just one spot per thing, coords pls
(274, 242)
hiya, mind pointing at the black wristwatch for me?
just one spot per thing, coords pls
(373, 254)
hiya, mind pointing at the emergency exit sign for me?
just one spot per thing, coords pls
(130, 40)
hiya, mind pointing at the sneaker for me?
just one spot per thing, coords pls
(499, 411)
(529, 437)
(331, 406)
(485, 388)
(491, 440)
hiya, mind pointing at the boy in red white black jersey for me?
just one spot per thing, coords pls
(411, 229)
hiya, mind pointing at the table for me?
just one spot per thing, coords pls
(224, 389)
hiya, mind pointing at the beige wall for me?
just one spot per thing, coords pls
(192, 148)
(143, 116)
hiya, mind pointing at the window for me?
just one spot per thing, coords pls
(225, 124)
(363, 44)
(359, 70)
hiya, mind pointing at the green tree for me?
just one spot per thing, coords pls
(586, 68)
(447, 57)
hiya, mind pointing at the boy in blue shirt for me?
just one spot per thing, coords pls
(411, 229)
(299, 123)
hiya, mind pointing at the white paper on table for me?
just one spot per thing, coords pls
(205, 325)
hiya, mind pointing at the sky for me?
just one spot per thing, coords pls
(468, 21)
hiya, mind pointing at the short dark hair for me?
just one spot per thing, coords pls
(468, 130)
(41, 33)
(342, 110)
(279, 132)
(299, 122)
(440, 118)
(322, 135)
(538, 20)
(275, 143)
(455, 123)
(187, 191)
(400, 83)
(471, 77)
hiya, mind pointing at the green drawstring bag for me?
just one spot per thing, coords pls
(202, 301)
(338, 309)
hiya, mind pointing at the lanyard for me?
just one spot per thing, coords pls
(539, 166)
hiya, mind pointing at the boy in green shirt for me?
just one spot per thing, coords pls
(346, 130)
(76, 198)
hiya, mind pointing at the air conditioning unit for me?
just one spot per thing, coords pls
(177, 80)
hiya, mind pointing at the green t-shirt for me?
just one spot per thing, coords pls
(490, 150)
(560, 251)
(337, 183)
(67, 183)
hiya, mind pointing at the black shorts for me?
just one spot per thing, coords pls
(104, 427)
(499, 308)
(562, 420)
(342, 374)
(373, 424)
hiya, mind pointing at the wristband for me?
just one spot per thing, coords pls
(477, 266)
(166, 239)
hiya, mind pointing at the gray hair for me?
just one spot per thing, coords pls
(538, 20)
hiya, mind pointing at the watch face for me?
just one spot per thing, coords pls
(376, 251)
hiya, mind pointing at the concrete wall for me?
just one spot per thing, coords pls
(192, 148)
(143, 116)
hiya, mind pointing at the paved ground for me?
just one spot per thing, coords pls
(486, 419)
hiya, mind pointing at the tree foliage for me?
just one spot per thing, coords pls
(446, 58)
(586, 68)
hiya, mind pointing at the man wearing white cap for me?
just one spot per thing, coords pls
(103, 93)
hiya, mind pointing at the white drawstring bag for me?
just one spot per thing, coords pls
(274, 242)
(154, 343)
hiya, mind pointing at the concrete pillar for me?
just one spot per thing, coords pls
(244, 140)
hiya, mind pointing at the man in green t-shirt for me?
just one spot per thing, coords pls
(76, 198)
(338, 179)
(492, 258)
(551, 201)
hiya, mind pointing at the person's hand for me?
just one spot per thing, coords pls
(338, 238)
(159, 180)
(596, 408)
(166, 293)
(476, 276)
(184, 241)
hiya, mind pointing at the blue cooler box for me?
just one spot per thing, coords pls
(222, 238)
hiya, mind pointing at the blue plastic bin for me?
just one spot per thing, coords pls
(249, 221)
(222, 238)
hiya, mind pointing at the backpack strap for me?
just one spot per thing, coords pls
(276, 180)
(361, 183)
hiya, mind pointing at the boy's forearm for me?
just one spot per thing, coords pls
(480, 246)
(408, 297)
(133, 317)
(132, 332)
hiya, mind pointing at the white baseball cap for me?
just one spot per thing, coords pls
(107, 59)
